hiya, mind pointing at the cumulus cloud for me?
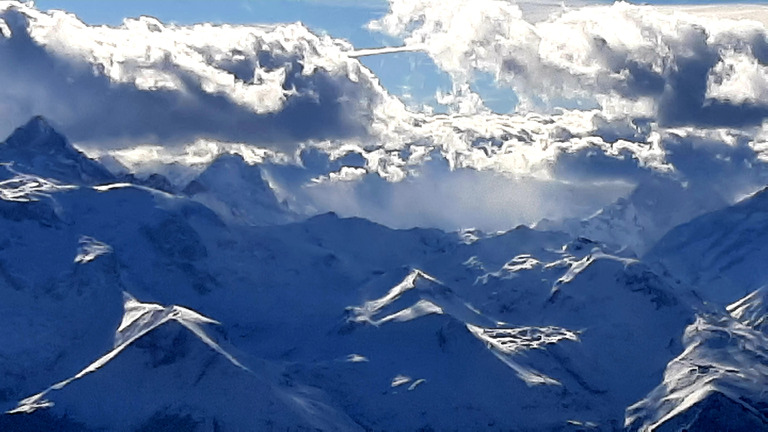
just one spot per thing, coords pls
(635, 58)
(181, 164)
(149, 82)
(738, 78)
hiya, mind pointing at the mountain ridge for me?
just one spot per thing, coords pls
(328, 322)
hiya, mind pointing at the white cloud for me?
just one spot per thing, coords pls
(612, 55)
(738, 78)
(172, 84)
(280, 87)
(344, 174)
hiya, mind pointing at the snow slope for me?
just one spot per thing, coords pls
(719, 381)
(638, 221)
(720, 253)
(238, 193)
(174, 366)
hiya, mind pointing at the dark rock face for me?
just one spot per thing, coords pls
(716, 412)
(36, 148)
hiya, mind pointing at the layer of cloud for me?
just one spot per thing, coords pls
(611, 97)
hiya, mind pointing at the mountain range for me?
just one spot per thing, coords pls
(133, 305)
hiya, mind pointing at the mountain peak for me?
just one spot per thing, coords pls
(238, 191)
(39, 122)
(37, 148)
(37, 133)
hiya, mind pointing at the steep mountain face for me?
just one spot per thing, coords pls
(56, 319)
(719, 381)
(638, 221)
(36, 148)
(238, 192)
(752, 310)
(216, 308)
(174, 366)
(720, 253)
(621, 309)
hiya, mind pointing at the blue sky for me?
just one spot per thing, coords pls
(344, 19)
(339, 18)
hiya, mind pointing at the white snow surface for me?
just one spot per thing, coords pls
(720, 253)
(718, 381)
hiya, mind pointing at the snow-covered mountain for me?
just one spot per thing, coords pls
(178, 265)
(36, 148)
(238, 192)
(216, 308)
(721, 253)
(638, 221)
(719, 381)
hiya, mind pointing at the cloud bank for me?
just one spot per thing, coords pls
(148, 82)
(612, 97)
